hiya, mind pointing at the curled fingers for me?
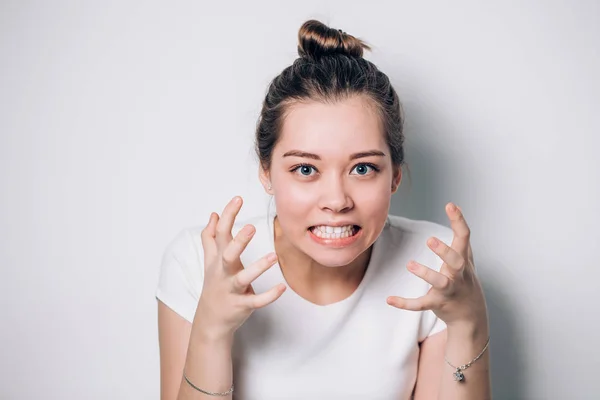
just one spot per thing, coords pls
(246, 276)
(233, 250)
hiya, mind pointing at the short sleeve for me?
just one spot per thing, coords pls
(430, 325)
(181, 275)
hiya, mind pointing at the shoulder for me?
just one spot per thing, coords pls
(403, 226)
(406, 230)
(183, 257)
(405, 239)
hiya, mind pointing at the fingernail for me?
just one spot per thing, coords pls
(237, 200)
(272, 257)
(433, 242)
(452, 207)
(412, 266)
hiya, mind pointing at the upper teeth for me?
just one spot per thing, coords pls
(334, 229)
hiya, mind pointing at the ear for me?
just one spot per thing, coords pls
(396, 179)
(265, 179)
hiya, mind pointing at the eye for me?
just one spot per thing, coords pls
(304, 169)
(363, 169)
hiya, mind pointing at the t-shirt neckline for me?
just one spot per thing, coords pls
(371, 266)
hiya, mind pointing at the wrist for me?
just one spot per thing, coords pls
(204, 330)
(475, 330)
(211, 337)
(465, 341)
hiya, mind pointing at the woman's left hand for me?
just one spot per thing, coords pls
(455, 296)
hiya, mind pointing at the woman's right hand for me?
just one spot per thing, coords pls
(227, 297)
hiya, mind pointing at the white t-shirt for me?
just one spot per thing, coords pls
(357, 348)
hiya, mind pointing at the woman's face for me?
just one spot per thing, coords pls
(332, 179)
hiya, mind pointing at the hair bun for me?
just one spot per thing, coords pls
(316, 40)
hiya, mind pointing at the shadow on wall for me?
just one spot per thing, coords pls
(423, 196)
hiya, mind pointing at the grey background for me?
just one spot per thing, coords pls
(123, 122)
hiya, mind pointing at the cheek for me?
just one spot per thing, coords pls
(292, 198)
(374, 204)
(375, 192)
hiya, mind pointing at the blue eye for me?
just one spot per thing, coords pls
(305, 170)
(363, 169)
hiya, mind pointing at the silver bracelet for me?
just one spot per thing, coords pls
(206, 392)
(458, 375)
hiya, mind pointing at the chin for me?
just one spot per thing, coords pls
(333, 260)
(335, 253)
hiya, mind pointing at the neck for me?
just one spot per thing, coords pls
(313, 281)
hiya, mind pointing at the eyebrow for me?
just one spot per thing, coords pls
(362, 154)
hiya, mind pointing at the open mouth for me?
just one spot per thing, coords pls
(334, 232)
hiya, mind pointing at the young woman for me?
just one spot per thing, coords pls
(329, 297)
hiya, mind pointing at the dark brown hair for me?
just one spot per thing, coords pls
(330, 68)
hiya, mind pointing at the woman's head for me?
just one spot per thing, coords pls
(330, 142)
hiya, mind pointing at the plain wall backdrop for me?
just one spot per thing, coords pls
(123, 122)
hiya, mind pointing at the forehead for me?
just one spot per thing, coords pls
(340, 128)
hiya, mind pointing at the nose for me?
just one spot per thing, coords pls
(334, 196)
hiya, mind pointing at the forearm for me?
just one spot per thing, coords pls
(208, 366)
(464, 343)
